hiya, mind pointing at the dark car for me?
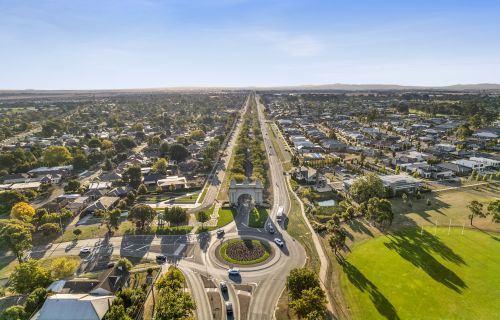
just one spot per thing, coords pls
(223, 286)
(161, 258)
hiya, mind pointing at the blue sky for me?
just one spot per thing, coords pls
(72, 44)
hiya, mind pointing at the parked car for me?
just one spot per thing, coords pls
(233, 271)
(229, 307)
(279, 242)
(223, 286)
(161, 258)
(85, 250)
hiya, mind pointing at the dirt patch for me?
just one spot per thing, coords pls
(244, 287)
(244, 305)
(215, 305)
(207, 283)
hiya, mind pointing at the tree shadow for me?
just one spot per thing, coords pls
(204, 239)
(417, 247)
(383, 306)
(359, 227)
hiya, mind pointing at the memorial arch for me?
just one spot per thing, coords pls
(252, 189)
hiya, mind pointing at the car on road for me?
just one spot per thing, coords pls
(233, 271)
(229, 307)
(223, 286)
(279, 242)
(270, 228)
(161, 258)
(220, 232)
(85, 250)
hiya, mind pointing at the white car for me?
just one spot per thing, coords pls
(233, 271)
(279, 242)
(85, 250)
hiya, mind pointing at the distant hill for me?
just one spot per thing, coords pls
(319, 87)
(375, 87)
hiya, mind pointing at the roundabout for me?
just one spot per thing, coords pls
(245, 251)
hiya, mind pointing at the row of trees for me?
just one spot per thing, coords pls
(16, 234)
(307, 298)
(173, 301)
(31, 278)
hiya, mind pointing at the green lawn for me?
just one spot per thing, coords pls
(204, 193)
(258, 217)
(409, 275)
(444, 206)
(226, 216)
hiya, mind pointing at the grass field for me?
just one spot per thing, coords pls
(409, 275)
(258, 217)
(444, 206)
(226, 216)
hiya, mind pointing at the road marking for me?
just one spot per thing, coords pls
(179, 249)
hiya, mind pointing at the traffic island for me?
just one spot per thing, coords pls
(244, 252)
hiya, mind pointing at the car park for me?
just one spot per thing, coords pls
(279, 242)
(233, 271)
(161, 258)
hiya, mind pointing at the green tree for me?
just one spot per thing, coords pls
(117, 312)
(62, 267)
(124, 265)
(8, 199)
(56, 156)
(463, 132)
(301, 279)
(142, 189)
(476, 210)
(174, 304)
(142, 215)
(160, 166)
(29, 275)
(164, 149)
(175, 215)
(80, 162)
(35, 300)
(77, 232)
(173, 279)
(133, 175)
(366, 187)
(494, 210)
(380, 211)
(16, 235)
(337, 239)
(50, 228)
(72, 186)
(311, 301)
(202, 217)
(111, 219)
(178, 152)
(16, 312)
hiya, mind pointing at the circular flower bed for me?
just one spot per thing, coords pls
(245, 251)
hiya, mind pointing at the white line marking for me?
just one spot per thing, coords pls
(179, 249)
